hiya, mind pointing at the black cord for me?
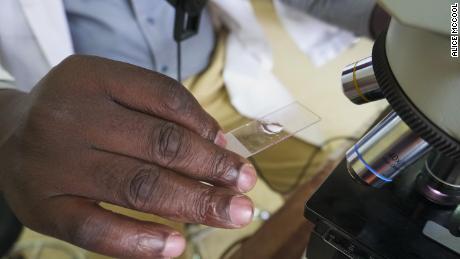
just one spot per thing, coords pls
(179, 61)
(229, 249)
(304, 169)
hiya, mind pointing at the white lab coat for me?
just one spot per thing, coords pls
(34, 36)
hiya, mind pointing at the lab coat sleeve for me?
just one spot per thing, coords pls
(6, 80)
(351, 15)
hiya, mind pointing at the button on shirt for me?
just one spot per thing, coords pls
(139, 32)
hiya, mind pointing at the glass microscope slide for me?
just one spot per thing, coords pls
(270, 129)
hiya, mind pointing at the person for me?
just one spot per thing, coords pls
(76, 131)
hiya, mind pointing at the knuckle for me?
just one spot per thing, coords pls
(203, 205)
(178, 99)
(69, 60)
(221, 167)
(83, 234)
(175, 96)
(171, 143)
(140, 187)
(208, 127)
(72, 60)
(69, 73)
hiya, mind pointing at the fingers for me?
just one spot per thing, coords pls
(133, 184)
(91, 227)
(167, 144)
(158, 95)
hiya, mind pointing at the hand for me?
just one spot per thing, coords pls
(97, 130)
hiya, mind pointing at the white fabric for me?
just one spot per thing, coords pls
(34, 36)
(49, 24)
(252, 87)
(7, 85)
(320, 41)
(5, 76)
(253, 90)
(239, 17)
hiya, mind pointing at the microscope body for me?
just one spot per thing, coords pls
(403, 197)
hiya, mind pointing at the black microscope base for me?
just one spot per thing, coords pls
(356, 221)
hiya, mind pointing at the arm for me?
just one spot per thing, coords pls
(362, 17)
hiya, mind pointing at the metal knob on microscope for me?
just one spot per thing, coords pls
(359, 83)
(385, 151)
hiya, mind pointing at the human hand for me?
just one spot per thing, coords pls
(97, 130)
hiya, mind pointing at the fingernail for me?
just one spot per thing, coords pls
(241, 210)
(220, 139)
(247, 178)
(175, 245)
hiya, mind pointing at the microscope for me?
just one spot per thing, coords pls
(397, 192)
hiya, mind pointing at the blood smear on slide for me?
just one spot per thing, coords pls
(270, 129)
